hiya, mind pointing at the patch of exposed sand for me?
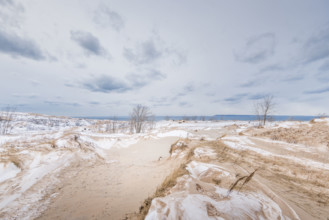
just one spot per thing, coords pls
(112, 190)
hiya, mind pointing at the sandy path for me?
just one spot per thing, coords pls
(111, 190)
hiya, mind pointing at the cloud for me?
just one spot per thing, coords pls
(88, 42)
(73, 104)
(317, 91)
(17, 46)
(256, 96)
(94, 103)
(152, 50)
(185, 104)
(317, 47)
(146, 52)
(141, 80)
(10, 13)
(236, 98)
(105, 17)
(274, 67)
(257, 49)
(160, 102)
(27, 95)
(250, 84)
(324, 66)
(294, 78)
(242, 96)
(6, 2)
(106, 84)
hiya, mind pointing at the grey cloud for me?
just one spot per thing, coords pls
(88, 42)
(35, 82)
(317, 91)
(257, 49)
(160, 102)
(152, 50)
(73, 104)
(324, 66)
(140, 80)
(317, 47)
(294, 78)
(106, 84)
(107, 18)
(178, 57)
(10, 13)
(94, 103)
(250, 84)
(274, 67)
(6, 2)
(256, 97)
(30, 95)
(188, 88)
(146, 52)
(185, 104)
(236, 98)
(239, 97)
(19, 47)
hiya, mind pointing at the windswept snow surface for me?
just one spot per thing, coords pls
(193, 198)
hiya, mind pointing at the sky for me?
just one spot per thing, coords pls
(186, 57)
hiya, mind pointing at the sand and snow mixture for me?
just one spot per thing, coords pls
(65, 168)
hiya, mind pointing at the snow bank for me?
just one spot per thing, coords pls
(199, 170)
(8, 171)
(175, 133)
(213, 205)
(204, 153)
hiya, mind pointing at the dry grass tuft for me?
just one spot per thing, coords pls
(162, 191)
(316, 135)
(246, 180)
(16, 162)
(178, 145)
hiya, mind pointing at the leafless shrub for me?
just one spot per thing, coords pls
(6, 118)
(263, 109)
(112, 125)
(141, 119)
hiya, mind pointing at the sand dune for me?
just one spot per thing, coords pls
(62, 168)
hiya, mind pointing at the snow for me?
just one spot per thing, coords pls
(241, 143)
(8, 171)
(182, 205)
(199, 170)
(33, 135)
(175, 133)
(204, 152)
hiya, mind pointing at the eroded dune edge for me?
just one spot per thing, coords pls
(54, 167)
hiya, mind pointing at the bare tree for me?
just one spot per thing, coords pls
(141, 118)
(6, 118)
(112, 125)
(264, 109)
